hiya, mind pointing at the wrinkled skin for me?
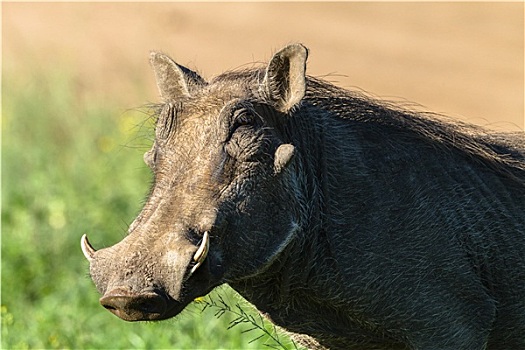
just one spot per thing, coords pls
(353, 224)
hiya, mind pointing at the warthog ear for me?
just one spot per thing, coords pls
(173, 80)
(285, 80)
(283, 156)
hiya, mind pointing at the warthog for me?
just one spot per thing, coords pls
(348, 221)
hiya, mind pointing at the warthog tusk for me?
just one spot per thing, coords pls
(87, 249)
(202, 252)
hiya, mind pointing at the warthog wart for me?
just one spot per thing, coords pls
(350, 222)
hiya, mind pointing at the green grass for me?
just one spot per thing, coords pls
(71, 166)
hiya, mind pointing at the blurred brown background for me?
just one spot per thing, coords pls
(461, 59)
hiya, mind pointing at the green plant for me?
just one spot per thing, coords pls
(268, 332)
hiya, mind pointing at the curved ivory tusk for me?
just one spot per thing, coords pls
(202, 252)
(87, 249)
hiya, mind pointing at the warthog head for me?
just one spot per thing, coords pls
(221, 208)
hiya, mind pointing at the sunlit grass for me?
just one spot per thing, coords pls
(72, 166)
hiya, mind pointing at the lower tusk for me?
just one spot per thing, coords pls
(194, 268)
(87, 249)
(202, 252)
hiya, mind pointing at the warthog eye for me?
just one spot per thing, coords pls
(243, 118)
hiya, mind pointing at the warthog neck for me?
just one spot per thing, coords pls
(295, 289)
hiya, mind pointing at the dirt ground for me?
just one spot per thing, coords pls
(461, 59)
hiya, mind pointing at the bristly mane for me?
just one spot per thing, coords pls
(504, 153)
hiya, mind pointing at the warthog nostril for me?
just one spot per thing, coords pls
(134, 306)
(109, 307)
(149, 306)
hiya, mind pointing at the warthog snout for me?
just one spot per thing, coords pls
(136, 290)
(134, 306)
